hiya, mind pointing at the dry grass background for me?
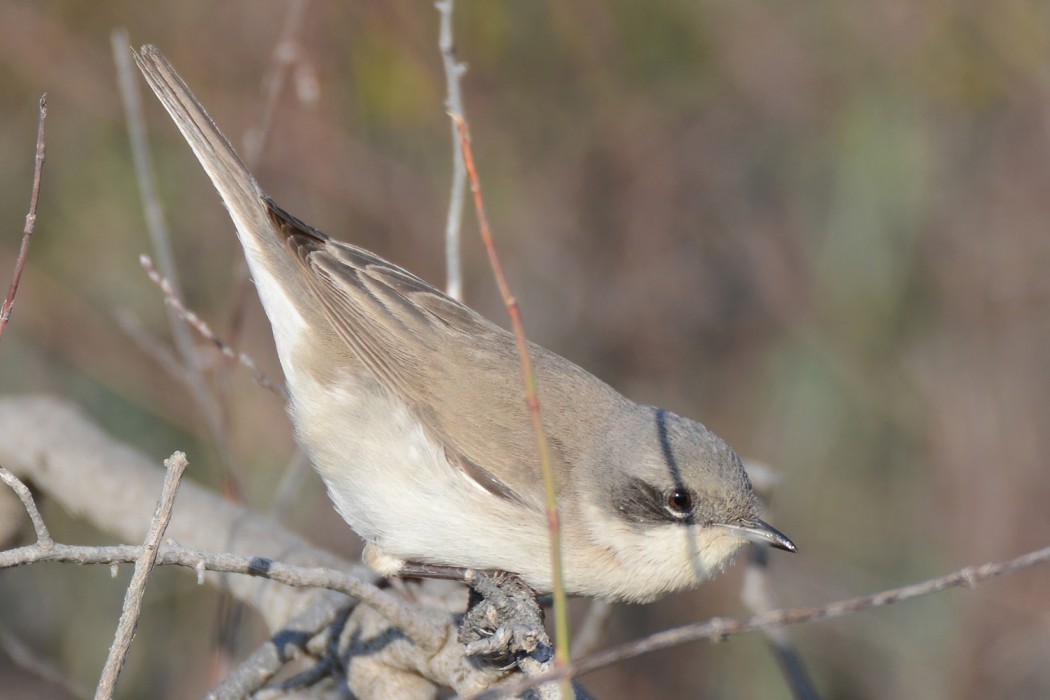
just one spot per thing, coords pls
(821, 228)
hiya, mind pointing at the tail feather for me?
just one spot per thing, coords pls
(240, 193)
(280, 287)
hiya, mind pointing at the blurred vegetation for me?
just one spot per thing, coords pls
(819, 227)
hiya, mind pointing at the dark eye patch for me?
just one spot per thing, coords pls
(640, 502)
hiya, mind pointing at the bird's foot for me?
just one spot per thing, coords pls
(504, 621)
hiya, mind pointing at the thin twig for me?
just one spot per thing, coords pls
(27, 232)
(719, 629)
(454, 70)
(113, 487)
(78, 446)
(29, 659)
(269, 658)
(411, 620)
(43, 537)
(589, 632)
(291, 482)
(286, 54)
(152, 346)
(129, 615)
(755, 594)
(199, 325)
(157, 227)
(561, 607)
(156, 224)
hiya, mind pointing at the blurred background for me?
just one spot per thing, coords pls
(820, 228)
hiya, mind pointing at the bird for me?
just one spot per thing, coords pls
(410, 406)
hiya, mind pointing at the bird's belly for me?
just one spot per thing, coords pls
(394, 486)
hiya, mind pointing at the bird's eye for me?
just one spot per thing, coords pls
(679, 502)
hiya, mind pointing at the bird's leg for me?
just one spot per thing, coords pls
(411, 569)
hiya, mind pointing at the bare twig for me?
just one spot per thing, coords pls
(34, 423)
(157, 227)
(454, 70)
(129, 615)
(589, 632)
(287, 53)
(110, 485)
(721, 628)
(156, 223)
(113, 487)
(199, 325)
(292, 478)
(417, 626)
(43, 537)
(267, 660)
(152, 346)
(755, 594)
(27, 232)
(47, 550)
(561, 606)
(30, 660)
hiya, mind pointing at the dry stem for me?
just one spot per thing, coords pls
(454, 70)
(561, 606)
(129, 615)
(27, 232)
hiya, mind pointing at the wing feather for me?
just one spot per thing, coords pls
(414, 339)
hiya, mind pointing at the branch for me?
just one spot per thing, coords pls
(172, 299)
(129, 615)
(428, 647)
(286, 54)
(756, 595)
(43, 537)
(171, 554)
(110, 485)
(157, 227)
(719, 629)
(454, 70)
(152, 347)
(29, 660)
(592, 629)
(27, 232)
(561, 606)
(292, 640)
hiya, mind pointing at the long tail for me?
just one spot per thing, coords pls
(240, 193)
(280, 286)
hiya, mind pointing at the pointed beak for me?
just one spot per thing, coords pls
(761, 532)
